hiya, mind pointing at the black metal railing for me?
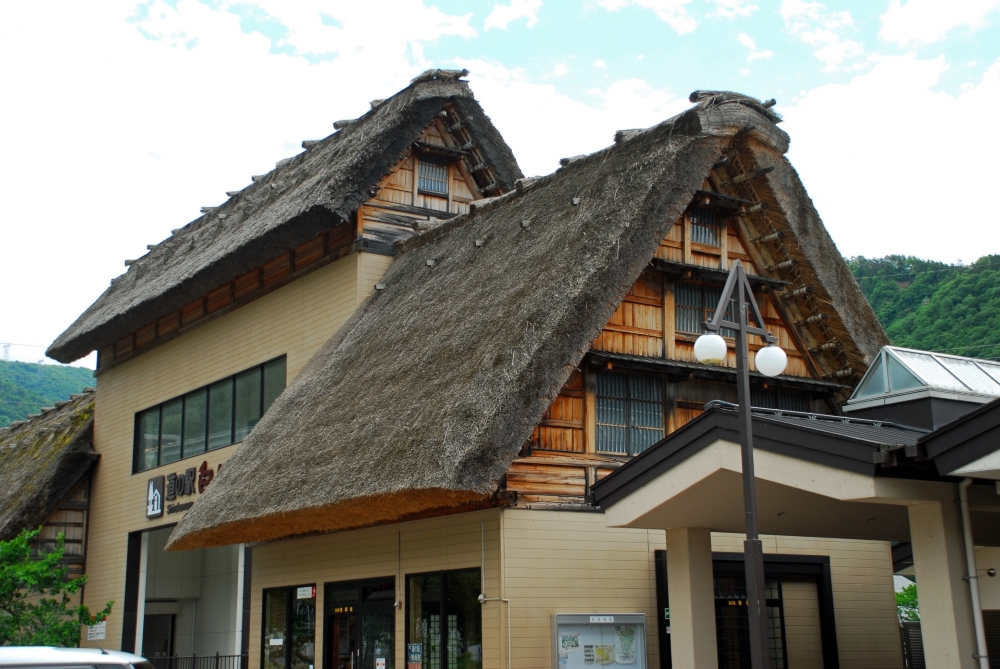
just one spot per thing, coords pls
(196, 661)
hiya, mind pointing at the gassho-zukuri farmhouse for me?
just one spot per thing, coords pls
(394, 405)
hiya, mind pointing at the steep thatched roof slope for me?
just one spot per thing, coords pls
(426, 395)
(424, 398)
(819, 263)
(298, 200)
(41, 459)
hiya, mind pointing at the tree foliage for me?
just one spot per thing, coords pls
(934, 306)
(26, 387)
(35, 596)
(906, 603)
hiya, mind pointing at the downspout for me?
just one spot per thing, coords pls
(482, 583)
(973, 578)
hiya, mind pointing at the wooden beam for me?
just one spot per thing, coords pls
(687, 239)
(413, 157)
(590, 411)
(724, 245)
(669, 326)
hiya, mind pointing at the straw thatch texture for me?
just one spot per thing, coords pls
(310, 193)
(41, 460)
(819, 262)
(427, 394)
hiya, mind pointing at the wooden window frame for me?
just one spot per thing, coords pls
(630, 452)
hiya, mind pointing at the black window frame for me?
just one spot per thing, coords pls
(291, 591)
(138, 449)
(629, 426)
(443, 574)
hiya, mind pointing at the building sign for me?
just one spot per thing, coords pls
(98, 631)
(306, 592)
(154, 497)
(169, 488)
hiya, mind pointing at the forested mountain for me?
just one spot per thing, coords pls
(934, 306)
(26, 387)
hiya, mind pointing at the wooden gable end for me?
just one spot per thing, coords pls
(642, 363)
(431, 181)
(662, 312)
(399, 207)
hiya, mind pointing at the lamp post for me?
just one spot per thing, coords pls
(771, 361)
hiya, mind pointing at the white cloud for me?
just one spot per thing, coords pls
(672, 12)
(748, 42)
(732, 9)
(925, 21)
(822, 29)
(503, 15)
(885, 181)
(94, 101)
(568, 127)
(560, 70)
(600, 63)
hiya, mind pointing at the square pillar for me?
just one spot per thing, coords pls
(946, 623)
(691, 583)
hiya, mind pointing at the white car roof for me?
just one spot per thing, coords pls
(44, 656)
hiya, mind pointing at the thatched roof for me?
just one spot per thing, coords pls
(426, 395)
(302, 197)
(41, 459)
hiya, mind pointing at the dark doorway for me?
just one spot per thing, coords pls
(730, 604)
(360, 624)
(158, 635)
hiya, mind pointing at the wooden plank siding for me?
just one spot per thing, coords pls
(645, 325)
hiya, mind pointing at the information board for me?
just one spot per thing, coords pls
(589, 641)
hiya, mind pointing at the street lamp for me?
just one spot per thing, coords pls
(771, 361)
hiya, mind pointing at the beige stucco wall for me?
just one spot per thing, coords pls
(444, 543)
(562, 562)
(989, 586)
(293, 321)
(864, 599)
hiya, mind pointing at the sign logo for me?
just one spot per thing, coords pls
(163, 490)
(154, 498)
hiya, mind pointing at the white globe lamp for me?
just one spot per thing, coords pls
(771, 360)
(710, 349)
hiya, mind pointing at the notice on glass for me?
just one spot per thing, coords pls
(98, 632)
(414, 656)
(596, 646)
(379, 663)
(307, 592)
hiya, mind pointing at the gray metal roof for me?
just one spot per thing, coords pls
(898, 370)
(879, 433)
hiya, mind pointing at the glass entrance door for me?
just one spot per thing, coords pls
(360, 624)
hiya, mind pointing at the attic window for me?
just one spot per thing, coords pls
(694, 303)
(705, 226)
(433, 173)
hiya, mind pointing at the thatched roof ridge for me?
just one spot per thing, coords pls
(41, 459)
(425, 396)
(303, 196)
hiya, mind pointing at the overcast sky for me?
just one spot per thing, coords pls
(119, 120)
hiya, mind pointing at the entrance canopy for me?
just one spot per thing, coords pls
(817, 476)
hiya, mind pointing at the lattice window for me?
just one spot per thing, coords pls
(694, 303)
(629, 412)
(433, 173)
(705, 226)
